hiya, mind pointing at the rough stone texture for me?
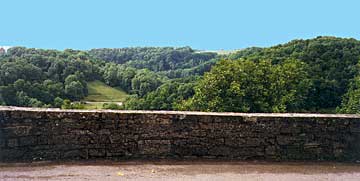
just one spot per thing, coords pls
(50, 134)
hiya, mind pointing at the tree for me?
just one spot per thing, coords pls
(12, 71)
(24, 100)
(332, 64)
(166, 97)
(8, 94)
(36, 77)
(55, 88)
(247, 86)
(154, 58)
(58, 102)
(274, 79)
(111, 74)
(74, 90)
(66, 104)
(145, 81)
(351, 100)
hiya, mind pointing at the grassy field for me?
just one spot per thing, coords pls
(99, 93)
(93, 105)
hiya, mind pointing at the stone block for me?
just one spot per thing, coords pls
(12, 142)
(270, 150)
(27, 141)
(97, 152)
(75, 154)
(154, 147)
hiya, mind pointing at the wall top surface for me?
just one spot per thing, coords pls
(300, 115)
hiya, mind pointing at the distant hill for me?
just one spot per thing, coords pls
(219, 52)
(171, 78)
(154, 58)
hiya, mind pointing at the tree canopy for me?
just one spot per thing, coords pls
(248, 86)
(314, 75)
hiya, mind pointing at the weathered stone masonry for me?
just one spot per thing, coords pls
(50, 134)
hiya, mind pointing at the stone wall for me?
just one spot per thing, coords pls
(51, 134)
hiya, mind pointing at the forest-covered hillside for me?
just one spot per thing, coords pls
(315, 75)
(46, 78)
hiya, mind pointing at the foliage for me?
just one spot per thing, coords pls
(153, 58)
(67, 104)
(351, 100)
(167, 97)
(248, 86)
(113, 106)
(35, 77)
(315, 75)
(58, 102)
(145, 81)
(331, 61)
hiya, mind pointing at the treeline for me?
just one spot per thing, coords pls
(154, 58)
(45, 78)
(316, 75)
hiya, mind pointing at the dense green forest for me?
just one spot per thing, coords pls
(51, 78)
(315, 75)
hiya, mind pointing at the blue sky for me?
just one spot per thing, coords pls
(201, 24)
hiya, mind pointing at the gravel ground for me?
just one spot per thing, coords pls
(180, 170)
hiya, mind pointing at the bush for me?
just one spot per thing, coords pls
(58, 102)
(72, 105)
(113, 106)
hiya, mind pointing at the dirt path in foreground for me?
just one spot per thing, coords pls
(174, 170)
